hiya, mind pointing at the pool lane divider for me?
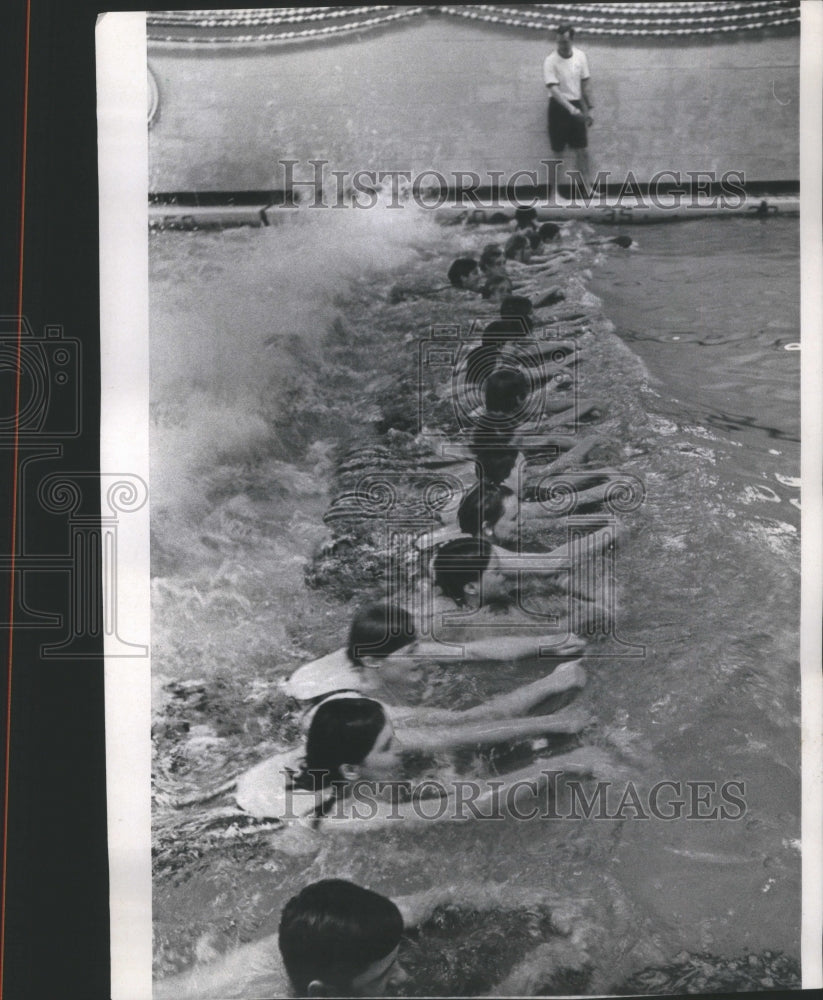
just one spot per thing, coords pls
(608, 211)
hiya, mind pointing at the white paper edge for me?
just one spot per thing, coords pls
(123, 177)
(122, 101)
(811, 466)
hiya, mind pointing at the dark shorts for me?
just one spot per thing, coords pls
(564, 130)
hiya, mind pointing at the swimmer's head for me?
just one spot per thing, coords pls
(516, 306)
(492, 259)
(465, 273)
(518, 247)
(548, 231)
(338, 939)
(490, 510)
(506, 391)
(468, 571)
(378, 635)
(350, 738)
(525, 217)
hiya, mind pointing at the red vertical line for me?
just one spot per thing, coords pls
(15, 456)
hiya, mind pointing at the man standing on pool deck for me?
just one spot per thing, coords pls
(566, 74)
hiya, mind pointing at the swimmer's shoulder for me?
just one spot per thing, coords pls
(265, 792)
(321, 677)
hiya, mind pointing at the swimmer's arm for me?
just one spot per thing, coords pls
(584, 407)
(431, 739)
(561, 404)
(514, 791)
(501, 647)
(545, 351)
(525, 440)
(521, 786)
(542, 261)
(575, 454)
(566, 677)
(583, 551)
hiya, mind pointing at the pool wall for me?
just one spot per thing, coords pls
(450, 95)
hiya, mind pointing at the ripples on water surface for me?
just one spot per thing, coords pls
(269, 349)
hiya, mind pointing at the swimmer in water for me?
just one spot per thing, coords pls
(525, 217)
(496, 510)
(336, 939)
(525, 382)
(350, 773)
(385, 658)
(464, 273)
(518, 248)
(546, 234)
(477, 575)
(493, 260)
(493, 263)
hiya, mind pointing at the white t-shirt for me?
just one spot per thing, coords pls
(567, 73)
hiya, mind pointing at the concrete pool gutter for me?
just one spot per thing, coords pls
(178, 212)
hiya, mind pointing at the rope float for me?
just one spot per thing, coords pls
(226, 216)
(636, 20)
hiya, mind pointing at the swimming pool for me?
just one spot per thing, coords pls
(272, 352)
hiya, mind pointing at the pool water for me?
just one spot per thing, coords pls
(272, 351)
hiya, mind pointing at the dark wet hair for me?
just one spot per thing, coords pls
(460, 562)
(548, 231)
(516, 306)
(505, 390)
(461, 268)
(565, 29)
(379, 629)
(535, 239)
(525, 216)
(483, 504)
(495, 464)
(515, 243)
(342, 731)
(333, 930)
